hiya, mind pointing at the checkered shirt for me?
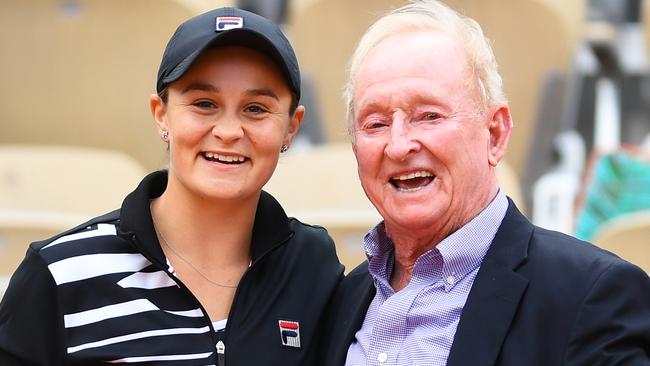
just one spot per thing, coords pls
(416, 325)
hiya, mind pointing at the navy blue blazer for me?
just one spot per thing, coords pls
(539, 298)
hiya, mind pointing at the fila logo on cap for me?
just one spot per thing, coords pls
(226, 23)
(290, 333)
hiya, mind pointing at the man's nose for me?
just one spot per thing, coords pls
(228, 128)
(402, 142)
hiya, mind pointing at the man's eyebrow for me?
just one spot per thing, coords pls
(262, 91)
(200, 86)
(369, 107)
(372, 105)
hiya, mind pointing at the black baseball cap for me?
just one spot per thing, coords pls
(227, 27)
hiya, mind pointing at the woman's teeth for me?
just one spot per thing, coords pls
(231, 159)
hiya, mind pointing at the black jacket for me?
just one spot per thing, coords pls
(539, 298)
(102, 292)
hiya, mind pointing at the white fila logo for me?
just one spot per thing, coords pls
(226, 23)
(290, 333)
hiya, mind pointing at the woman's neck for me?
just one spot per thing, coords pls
(208, 231)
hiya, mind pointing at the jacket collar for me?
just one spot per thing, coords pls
(271, 227)
(495, 295)
(347, 312)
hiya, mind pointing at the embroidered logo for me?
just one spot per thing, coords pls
(226, 23)
(290, 333)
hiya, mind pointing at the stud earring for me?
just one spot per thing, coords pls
(284, 148)
(164, 135)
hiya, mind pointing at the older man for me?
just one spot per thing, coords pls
(456, 275)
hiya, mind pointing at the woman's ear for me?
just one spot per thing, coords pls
(158, 111)
(294, 124)
(499, 127)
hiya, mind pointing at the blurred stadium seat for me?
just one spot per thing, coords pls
(645, 16)
(65, 178)
(510, 182)
(46, 189)
(320, 186)
(81, 72)
(18, 228)
(627, 236)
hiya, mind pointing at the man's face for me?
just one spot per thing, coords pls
(421, 139)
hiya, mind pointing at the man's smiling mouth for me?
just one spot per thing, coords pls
(413, 181)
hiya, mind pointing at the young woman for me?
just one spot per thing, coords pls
(199, 266)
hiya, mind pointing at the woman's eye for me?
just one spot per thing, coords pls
(204, 104)
(254, 108)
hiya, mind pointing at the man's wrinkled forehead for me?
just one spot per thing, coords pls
(386, 60)
(432, 45)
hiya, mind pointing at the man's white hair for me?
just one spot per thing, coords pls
(422, 15)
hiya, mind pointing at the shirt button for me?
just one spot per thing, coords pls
(451, 279)
(382, 357)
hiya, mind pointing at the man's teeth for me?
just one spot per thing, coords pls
(409, 189)
(225, 158)
(413, 181)
(420, 174)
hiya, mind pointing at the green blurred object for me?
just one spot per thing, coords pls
(620, 185)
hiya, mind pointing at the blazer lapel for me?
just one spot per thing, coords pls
(356, 293)
(495, 295)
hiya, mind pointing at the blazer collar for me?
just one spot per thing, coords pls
(356, 291)
(495, 295)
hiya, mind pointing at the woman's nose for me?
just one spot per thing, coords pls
(228, 129)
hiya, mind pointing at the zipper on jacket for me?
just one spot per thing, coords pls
(221, 357)
(221, 346)
(221, 353)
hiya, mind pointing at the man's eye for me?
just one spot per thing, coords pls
(375, 125)
(431, 116)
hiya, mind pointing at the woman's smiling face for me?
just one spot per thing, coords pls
(227, 119)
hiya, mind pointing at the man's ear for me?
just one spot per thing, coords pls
(294, 124)
(499, 127)
(158, 111)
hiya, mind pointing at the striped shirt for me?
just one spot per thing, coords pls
(134, 292)
(104, 292)
(416, 325)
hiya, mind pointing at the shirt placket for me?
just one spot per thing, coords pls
(390, 328)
